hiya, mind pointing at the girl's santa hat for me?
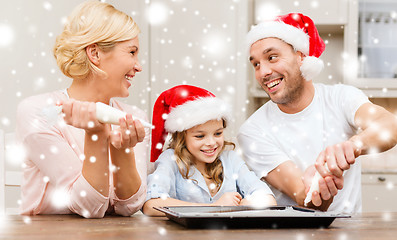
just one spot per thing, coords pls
(183, 107)
(297, 30)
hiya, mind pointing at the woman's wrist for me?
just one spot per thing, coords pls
(98, 133)
(120, 154)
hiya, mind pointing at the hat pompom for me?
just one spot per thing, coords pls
(311, 67)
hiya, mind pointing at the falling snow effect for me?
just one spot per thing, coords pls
(157, 13)
(162, 231)
(15, 154)
(60, 199)
(7, 35)
(27, 220)
(213, 67)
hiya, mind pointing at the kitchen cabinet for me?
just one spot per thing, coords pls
(379, 179)
(371, 47)
(322, 12)
(379, 191)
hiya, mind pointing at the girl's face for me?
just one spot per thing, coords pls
(205, 142)
(121, 64)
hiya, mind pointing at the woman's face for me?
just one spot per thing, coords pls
(120, 64)
(205, 141)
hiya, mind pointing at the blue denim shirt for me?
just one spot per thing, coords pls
(166, 180)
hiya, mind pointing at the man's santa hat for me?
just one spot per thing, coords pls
(297, 30)
(183, 107)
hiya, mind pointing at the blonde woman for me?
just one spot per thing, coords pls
(196, 170)
(86, 167)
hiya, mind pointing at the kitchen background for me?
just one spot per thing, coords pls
(201, 42)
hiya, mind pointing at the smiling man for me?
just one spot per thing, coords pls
(306, 126)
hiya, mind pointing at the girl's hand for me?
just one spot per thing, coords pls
(82, 115)
(229, 199)
(128, 134)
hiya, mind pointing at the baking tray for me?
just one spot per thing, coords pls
(217, 217)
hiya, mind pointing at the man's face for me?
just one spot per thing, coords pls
(277, 70)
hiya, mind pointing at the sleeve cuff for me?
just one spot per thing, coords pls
(129, 206)
(86, 201)
(155, 193)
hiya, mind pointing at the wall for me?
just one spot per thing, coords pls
(28, 66)
(193, 44)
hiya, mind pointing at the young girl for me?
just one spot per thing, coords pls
(195, 169)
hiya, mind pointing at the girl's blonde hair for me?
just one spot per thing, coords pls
(184, 158)
(91, 22)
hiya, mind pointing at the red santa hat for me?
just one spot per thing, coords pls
(297, 30)
(183, 107)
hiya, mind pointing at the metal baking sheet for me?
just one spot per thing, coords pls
(248, 217)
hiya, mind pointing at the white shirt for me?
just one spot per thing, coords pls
(270, 137)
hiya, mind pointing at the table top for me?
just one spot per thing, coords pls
(364, 226)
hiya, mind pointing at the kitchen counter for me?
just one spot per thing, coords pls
(380, 226)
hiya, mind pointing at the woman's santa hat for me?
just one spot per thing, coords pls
(183, 107)
(297, 30)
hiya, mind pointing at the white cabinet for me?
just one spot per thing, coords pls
(379, 192)
(321, 11)
(372, 49)
(379, 179)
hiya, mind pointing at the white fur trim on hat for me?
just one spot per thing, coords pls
(311, 67)
(289, 34)
(299, 40)
(193, 113)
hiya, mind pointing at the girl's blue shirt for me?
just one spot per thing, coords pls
(166, 180)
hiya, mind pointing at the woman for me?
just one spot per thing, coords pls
(84, 166)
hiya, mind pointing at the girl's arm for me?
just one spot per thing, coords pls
(159, 202)
(227, 199)
(256, 192)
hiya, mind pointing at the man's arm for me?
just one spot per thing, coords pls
(379, 129)
(288, 178)
(378, 134)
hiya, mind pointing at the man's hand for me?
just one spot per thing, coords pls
(337, 158)
(328, 188)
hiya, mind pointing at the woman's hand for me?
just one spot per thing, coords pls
(229, 199)
(128, 134)
(82, 115)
